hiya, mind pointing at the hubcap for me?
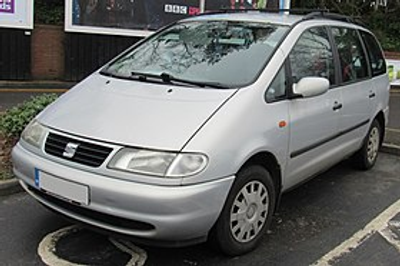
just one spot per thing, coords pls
(373, 145)
(249, 211)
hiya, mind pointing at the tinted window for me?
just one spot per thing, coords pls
(375, 55)
(312, 56)
(230, 53)
(353, 61)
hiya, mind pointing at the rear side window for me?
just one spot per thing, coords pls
(352, 58)
(375, 55)
(312, 56)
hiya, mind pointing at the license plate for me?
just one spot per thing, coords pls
(61, 188)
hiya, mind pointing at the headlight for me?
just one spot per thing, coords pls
(34, 134)
(158, 163)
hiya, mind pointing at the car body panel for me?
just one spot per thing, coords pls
(177, 213)
(134, 113)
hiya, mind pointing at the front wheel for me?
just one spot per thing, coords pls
(247, 212)
(366, 157)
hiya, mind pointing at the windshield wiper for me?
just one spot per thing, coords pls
(167, 78)
(143, 76)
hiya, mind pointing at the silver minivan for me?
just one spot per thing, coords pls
(195, 132)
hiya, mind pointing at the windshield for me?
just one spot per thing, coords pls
(228, 53)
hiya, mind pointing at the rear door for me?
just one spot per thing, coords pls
(355, 86)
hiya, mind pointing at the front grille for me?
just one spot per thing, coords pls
(106, 219)
(86, 153)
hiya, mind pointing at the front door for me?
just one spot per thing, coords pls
(313, 121)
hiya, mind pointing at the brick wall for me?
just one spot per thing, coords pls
(392, 55)
(47, 52)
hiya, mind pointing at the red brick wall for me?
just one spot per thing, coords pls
(47, 52)
(392, 55)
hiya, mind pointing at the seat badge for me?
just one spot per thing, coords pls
(70, 150)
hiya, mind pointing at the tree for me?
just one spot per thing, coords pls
(380, 16)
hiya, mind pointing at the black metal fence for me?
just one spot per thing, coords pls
(15, 54)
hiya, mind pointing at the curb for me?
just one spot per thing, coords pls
(9, 187)
(391, 149)
(32, 85)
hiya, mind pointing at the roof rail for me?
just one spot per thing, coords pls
(308, 13)
(293, 11)
(333, 16)
(327, 15)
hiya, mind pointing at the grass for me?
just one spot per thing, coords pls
(6, 174)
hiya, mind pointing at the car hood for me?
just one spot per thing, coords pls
(134, 113)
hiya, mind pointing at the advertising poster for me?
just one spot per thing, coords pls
(393, 67)
(16, 14)
(126, 17)
(139, 17)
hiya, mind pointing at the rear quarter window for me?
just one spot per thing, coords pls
(375, 54)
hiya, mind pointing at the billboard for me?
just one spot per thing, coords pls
(16, 14)
(125, 17)
(139, 17)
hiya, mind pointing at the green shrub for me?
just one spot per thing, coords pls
(49, 12)
(13, 122)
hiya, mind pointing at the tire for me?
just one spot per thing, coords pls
(366, 157)
(247, 212)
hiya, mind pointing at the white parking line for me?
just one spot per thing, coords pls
(389, 235)
(378, 224)
(393, 130)
(139, 256)
(47, 248)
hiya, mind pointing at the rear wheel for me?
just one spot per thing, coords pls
(366, 157)
(247, 212)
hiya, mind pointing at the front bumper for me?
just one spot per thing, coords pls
(164, 213)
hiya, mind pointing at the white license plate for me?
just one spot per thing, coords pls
(64, 189)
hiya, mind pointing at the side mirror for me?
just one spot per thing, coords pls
(311, 86)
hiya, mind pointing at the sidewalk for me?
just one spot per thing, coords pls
(15, 92)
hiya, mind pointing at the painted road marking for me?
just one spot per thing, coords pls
(393, 130)
(139, 256)
(389, 235)
(379, 224)
(47, 248)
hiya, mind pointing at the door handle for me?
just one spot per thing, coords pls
(337, 106)
(371, 95)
